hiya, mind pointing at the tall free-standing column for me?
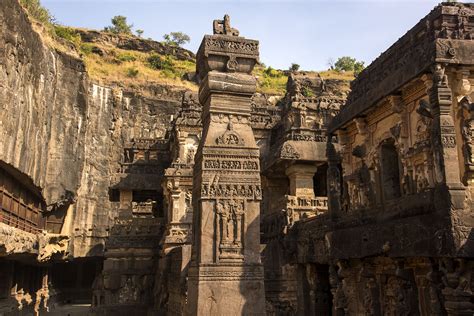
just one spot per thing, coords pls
(226, 275)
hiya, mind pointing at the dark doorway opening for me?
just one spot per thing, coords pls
(320, 181)
(390, 171)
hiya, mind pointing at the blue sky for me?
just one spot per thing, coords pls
(305, 32)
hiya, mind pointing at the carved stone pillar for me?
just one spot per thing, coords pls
(301, 179)
(333, 181)
(226, 275)
(443, 135)
(339, 303)
(125, 199)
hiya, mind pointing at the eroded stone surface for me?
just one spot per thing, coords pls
(168, 186)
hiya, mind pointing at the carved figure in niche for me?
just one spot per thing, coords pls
(320, 122)
(432, 281)
(230, 221)
(336, 290)
(128, 155)
(468, 131)
(223, 27)
(424, 109)
(406, 184)
(423, 126)
(422, 132)
(398, 296)
(420, 178)
(369, 299)
(287, 151)
(190, 154)
(302, 119)
(440, 78)
(230, 228)
(361, 191)
(230, 137)
(188, 201)
(456, 274)
(128, 293)
(289, 216)
(224, 214)
(361, 125)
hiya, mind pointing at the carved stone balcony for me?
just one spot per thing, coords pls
(292, 209)
(143, 209)
(304, 206)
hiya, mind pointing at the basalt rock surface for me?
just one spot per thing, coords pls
(66, 133)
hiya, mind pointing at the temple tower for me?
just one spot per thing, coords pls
(226, 275)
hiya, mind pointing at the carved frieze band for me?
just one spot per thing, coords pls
(237, 275)
(231, 164)
(228, 45)
(253, 192)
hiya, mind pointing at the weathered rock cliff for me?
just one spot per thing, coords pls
(67, 133)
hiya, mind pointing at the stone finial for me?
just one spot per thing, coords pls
(223, 27)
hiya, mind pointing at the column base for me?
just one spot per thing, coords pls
(226, 290)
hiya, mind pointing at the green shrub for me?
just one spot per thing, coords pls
(39, 13)
(86, 48)
(160, 63)
(294, 67)
(132, 72)
(125, 57)
(68, 34)
(307, 92)
(274, 73)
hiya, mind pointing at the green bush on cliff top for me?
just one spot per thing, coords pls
(37, 11)
(68, 34)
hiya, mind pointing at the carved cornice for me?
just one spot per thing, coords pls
(436, 38)
(225, 53)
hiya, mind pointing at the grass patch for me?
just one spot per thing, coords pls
(269, 80)
(106, 63)
(86, 48)
(132, 72)
(126, 57)
(158, 62)
(38, 12)
(333, 74)
(68, 34)
(133, 67)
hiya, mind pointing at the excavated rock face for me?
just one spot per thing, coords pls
(15, 241)
(43, 100)
(67, 134)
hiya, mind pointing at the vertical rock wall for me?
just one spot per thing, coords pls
(65, 133)
(43, 106)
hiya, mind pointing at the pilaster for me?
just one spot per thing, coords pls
(226, 275)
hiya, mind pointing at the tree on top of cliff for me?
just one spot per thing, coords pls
(294, 67)
(176, 38)
(347, 63)
(119, 25)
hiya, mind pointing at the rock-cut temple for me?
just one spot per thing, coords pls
(226, 201)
